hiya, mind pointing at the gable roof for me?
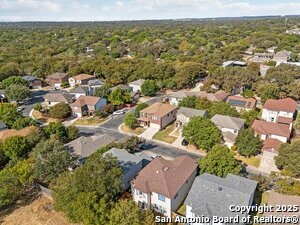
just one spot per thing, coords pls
(158, 109)
(12, 132)
(86, 100)
(282, 53)
(95, 82)
(285, 104)
(29, 78)
(271, 144)
(165, 177)
(238, 101)
(59, 97)
(183, 94)
(126, 160)
(80, 90)
(211, 195)
(219, 96)
(122, 86)
(268, 128)
(58, 76)
(86, 146)
(228, 122)
(137, 82)
(83, 77)
(189, 112)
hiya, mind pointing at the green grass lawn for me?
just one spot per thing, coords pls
(181, 209)
(137, 130)
(252, 161)
(89, 121)
(39, 116)
(164, 135)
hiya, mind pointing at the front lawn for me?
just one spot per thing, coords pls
(89, 121)
(164, 135)
(136, 130)
(252, 161)
(39, 116)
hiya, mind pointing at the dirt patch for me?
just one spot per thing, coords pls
(39, 212)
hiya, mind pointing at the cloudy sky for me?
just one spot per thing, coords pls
(98, 10)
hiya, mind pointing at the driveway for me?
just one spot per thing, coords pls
(267, 165)
(149, 133)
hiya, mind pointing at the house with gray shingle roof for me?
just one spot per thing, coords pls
(2, 126)
(56, 97)
(136, 85)
(184, 115)
(86, 146)
(80, 91)
(131, 164)
(229, 126)
(212, 196)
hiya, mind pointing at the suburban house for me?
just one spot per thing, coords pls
(131, 164)
(267, 130)
(136, 85)
(83, 146)
(33, 82)
(293, 31)
(271, 147)
(234, 64)
(212, 196)
(229, 126)
(80, 79)
(241, 103)
(219, 96)
(176, 97)
(94, 84)
(80, 91)
(157, 115)
(4, 134)
(57, 79)
(54, 98)
(163, 184)
(279, 111)
(272, 49)
(184, 115)
(262, 57)
(2, 126)
(282, 56)
(123, 87)
(87, 105)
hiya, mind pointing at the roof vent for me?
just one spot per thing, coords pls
(157, 171)
(166, 169)
(220, 188)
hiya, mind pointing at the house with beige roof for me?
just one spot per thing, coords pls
(279, 111)
(136, 85)
(54, 98)
(87, 105)
(229, 126)
(57, 79)
(163, 184)
(282, 56)
(80, 79)
(157, 115)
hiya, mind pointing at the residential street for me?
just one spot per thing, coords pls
(36, 97)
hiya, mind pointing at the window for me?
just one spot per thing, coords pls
(161, 198)
(176, 196)
(154, 118)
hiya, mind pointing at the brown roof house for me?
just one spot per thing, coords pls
(80, 79)
(267, 130)
(241, 103)
(54, 98)
(157, 115)
(33, 82)
(87, 105)
(12, 132)
(163, 184)
(271, 147)
(57, 79)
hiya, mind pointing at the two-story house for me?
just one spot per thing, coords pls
(54, 98)
(57, 79)
(241, 103)
(163, 184)
(136, 85)
(184, 115)
(87, 105)
(282, 56)
(214, 196)
(229, 126)
(157, 115)
(80, 79)
(80, 91)
(279, 111)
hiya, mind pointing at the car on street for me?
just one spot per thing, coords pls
(118, 112)
(20, 108)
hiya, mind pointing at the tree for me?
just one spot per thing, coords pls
(51, 159)
(219, 161)
(60, 111)
(189, 102)
(102, 92)
(134, 216)
(268, 91)
(188, 73)
(222, 108)
(249, 116)
(119, 96)
(89, 193)
(287, 186)
(72, 132)
(14, 80)
(289, 158)
(202, 132)
(247, 143)
(15, 147)
(139, 108)
(130, 120)
(56, 129)
(24, 122)
(17, 92)
(8, 113)
(149, 88)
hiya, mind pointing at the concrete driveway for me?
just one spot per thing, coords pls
(267, 165)
(149, 133)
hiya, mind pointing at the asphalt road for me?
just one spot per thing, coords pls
(36, 97)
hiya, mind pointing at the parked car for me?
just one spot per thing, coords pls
(118, 112)
(184, 142)
(20, 108)
(144, 146)
(155, 156)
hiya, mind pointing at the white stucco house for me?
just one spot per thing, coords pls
(163, 184)
(212, 196)
(80, 79)
(136, 85)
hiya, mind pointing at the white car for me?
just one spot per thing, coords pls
(118, 112)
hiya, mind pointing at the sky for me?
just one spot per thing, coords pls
(107, 10)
